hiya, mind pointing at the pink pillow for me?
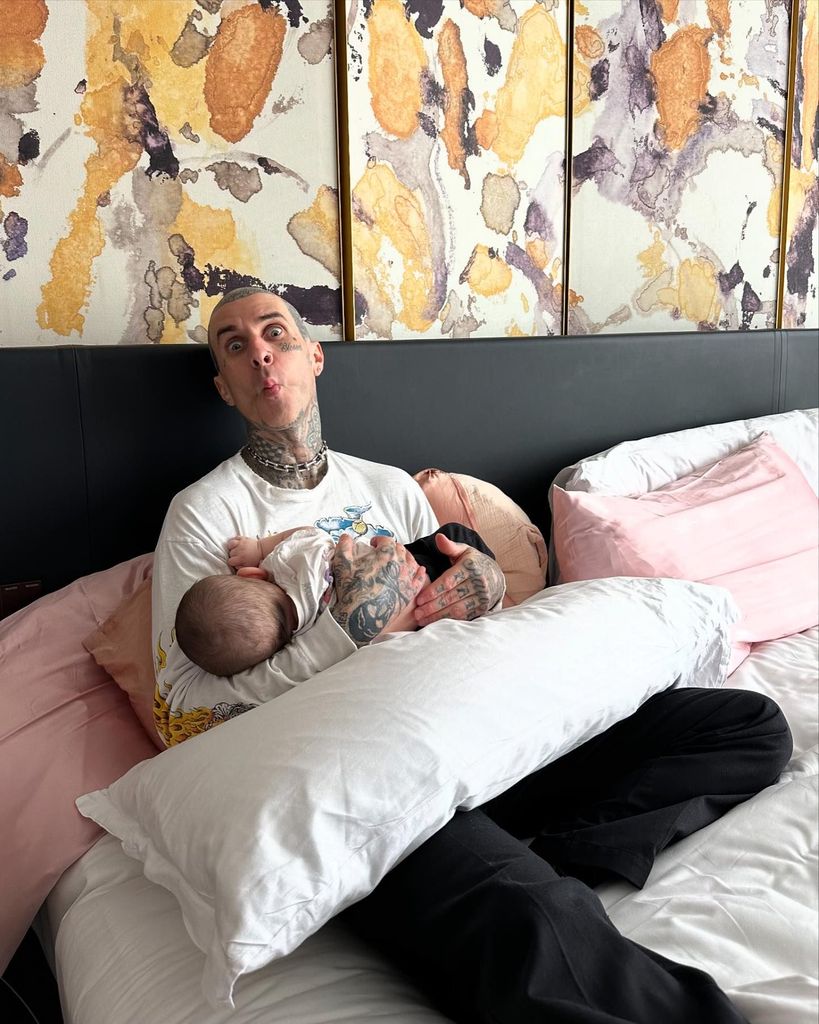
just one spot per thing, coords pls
(747, 523)
(122, 646)
(66, 730)
(516, 542)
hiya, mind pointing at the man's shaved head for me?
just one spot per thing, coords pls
(235, 294)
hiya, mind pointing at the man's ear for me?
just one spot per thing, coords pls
(317, 355)
(224, 390)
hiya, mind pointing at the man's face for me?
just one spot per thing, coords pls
(266, 369)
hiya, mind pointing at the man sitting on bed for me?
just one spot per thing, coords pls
(493, 924)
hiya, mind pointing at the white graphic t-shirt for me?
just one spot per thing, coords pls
(363, 499)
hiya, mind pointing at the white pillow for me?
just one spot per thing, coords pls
(270, 824)
(637, 467)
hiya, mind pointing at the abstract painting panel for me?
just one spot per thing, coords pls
(678, 138)
(801, 302)
(456, 139)
(153, 154)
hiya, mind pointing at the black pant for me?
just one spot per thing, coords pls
(426, 554)
(498, 932)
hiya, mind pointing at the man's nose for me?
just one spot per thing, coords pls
(260, 354)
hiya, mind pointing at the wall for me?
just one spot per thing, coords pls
(155, 152)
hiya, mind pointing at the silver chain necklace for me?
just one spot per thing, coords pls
(290, 467)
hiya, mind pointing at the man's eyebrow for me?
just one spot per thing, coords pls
(259, 320)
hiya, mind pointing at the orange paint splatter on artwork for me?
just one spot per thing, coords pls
(588, 42)
(486, 129)
(397, 59)
(482, 8)
(397, 216)
(453, 67)
(10, 178)
(21, 56)
(240, 68)
(537, 253)
(719, 14)
(67, 291)
(681, 69)
(535, 86)
(669, 10)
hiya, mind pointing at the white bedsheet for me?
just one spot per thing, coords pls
(738, 898)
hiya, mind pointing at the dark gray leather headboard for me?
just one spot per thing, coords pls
(96, 440)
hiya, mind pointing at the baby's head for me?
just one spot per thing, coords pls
(226, 624)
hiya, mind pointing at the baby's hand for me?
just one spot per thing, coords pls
(243, 552)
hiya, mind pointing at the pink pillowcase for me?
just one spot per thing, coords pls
(66, 730)
(517, 543)
(122, 646)
(749, 523)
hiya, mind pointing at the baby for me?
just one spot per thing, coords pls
(227, 623)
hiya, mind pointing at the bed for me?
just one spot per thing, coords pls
(114, 428)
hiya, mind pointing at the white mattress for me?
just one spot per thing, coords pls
(738, 899)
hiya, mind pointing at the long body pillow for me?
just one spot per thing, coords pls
(267, 826)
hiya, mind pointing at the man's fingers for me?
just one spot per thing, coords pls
(452, 549)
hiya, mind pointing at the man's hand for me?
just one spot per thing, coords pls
(373, 585)
(471, 587)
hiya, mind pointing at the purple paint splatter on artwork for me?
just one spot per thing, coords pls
(596, 160)
(729, 281)
(319, 305)
(427, 15)
(9, 274)
(491, 57)
(652, 24)
(153, 138)
(16, 227)
(28, 148)
(750, 305)
(599, 79)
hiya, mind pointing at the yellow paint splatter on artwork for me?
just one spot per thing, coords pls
(580, 8)
(66, 292)
(681, 69)
(581, 79)
(513, 331)
(535, 83)
(148, 31)
(486, 272)
(524, 302)
(749, 80)
(773, 157)
(695, 293)
(21, 56)
(315, 230)
(397, 59)
(211, 230)
(240, 68)
(810, 71)
(397, 216)
(652, 257)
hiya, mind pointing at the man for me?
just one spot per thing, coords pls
(494, 928)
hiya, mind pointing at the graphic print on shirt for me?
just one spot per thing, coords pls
(353, 523)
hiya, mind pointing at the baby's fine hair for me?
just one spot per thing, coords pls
(226, 624)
